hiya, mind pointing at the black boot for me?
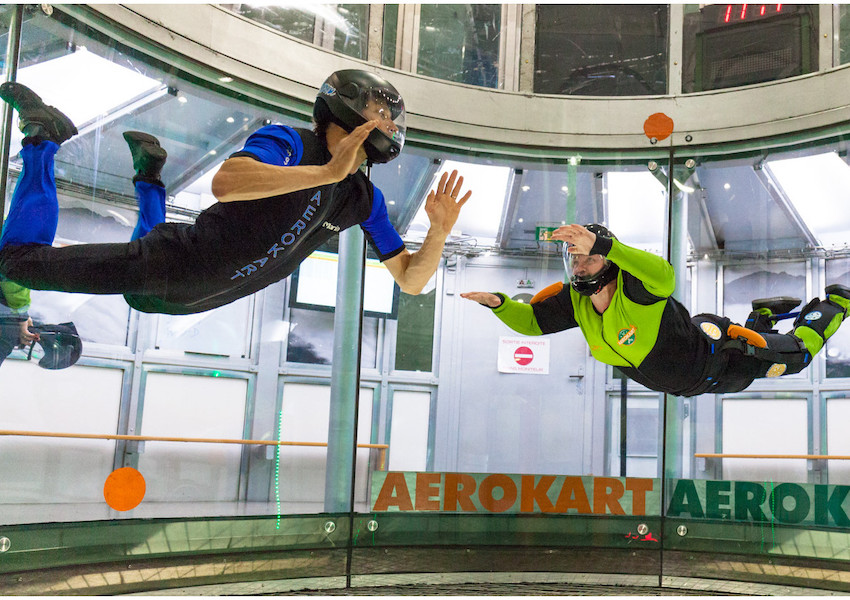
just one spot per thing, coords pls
(765, 310)
(37, 121)
(148, 156)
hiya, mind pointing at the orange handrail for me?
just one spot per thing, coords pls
(791, 456)
(151, 438)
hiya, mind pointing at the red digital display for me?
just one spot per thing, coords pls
(735, 13)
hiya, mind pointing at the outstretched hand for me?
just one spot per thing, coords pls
(485, 298)
(578, 237)
(442, 204)
(349, 154)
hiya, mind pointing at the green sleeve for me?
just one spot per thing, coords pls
(517, 315)
(654, 272)
(17, 297)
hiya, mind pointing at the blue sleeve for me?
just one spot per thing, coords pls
(274, 145)
(379, 231)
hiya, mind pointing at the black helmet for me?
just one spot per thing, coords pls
(61, 344)
(589, 284)
(346, 95)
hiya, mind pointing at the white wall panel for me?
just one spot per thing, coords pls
(837, 439)
(192, 406)
(74, 400)
(305, 418)
(409, 431)
(766, 426)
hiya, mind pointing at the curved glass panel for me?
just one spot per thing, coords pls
(196, 377)
(729, 45)
(584, 51)
(748, 471)
(390, 37)
(477, 442)
(341, 27)
(460, 43)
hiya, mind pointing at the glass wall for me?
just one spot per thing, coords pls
(340, 27)
(619, 51)
(728, 45)
(471, 434)
(756, 458)
(460, 43)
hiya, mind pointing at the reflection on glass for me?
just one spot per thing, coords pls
(844, 33)
(766, 227)
(728, 45)
(415, 337)
(743, 283)
(311, 338)
(297, 22)
(351, 35)
(346, 23)
(388, 44)
(838, 346)
(619, 51)
(460, 43)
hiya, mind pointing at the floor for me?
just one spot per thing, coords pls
(496, 584)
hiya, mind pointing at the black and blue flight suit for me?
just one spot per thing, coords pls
(232, 249)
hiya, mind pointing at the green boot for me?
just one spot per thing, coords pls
(818, 320)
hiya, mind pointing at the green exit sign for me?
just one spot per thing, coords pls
(544, 234)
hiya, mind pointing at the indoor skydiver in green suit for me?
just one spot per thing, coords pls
(621, 299)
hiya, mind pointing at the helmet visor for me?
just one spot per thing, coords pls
(583, 268)
(383, 105)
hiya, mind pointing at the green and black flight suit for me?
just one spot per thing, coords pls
(651, 337)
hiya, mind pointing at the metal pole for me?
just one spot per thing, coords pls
(345, 372)
(572, 192)
(624, 423)
(13, 50)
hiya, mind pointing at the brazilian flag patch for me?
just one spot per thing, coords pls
(626, 337)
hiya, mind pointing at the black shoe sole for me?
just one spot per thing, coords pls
(838, 290)
(53, 124)
(777, 304)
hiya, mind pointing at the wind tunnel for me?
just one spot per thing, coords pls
(331, 431)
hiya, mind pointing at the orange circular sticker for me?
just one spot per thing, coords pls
(776, 370)
(124, 489)
(658, 126)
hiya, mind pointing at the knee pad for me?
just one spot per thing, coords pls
(713, 328)
(787, 354)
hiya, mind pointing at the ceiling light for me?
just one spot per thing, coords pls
(481, 217)
(819, 187)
